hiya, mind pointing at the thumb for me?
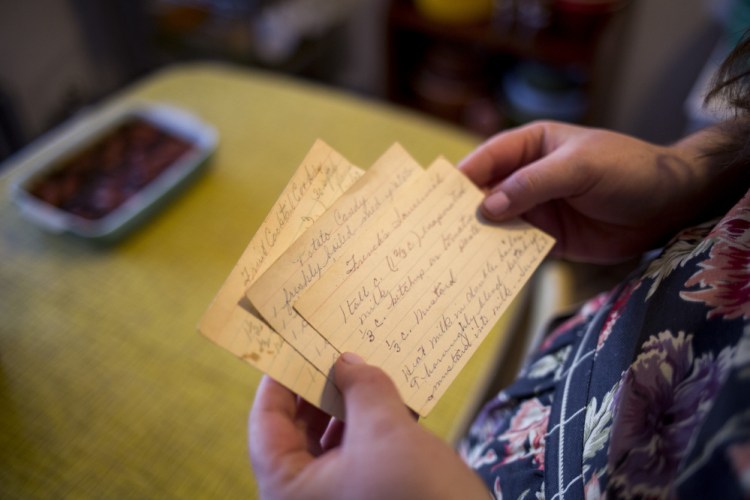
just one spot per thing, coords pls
(367, 390)
(543, 180)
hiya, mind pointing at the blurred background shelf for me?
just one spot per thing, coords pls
(629, 70)
(518, 62)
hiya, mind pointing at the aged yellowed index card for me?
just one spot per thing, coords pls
(422, 286)
(395, 264)
(274, 293)
(323, 176)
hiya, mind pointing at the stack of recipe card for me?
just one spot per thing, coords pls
(394, 263)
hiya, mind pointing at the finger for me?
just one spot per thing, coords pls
(368, 391)
(504, 153)
(555, 176)
(315, 422)
(278, 447)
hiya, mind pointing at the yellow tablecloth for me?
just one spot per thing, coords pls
(106, 388)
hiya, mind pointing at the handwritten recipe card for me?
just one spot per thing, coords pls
(394, 264)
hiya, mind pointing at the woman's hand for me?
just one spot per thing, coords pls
(299, 452)
(604, 196)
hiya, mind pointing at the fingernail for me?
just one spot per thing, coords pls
(496, 203)
(352, 359)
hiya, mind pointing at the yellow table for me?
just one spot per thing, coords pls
(106, 388)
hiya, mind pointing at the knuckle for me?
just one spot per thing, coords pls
(522, 182)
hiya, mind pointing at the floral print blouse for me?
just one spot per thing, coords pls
(643, 393)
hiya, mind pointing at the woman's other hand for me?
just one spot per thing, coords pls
(604, 196)
(299, 452)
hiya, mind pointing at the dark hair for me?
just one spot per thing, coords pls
(731, 83)
(731, 87)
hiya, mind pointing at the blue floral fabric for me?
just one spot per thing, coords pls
(643, 393)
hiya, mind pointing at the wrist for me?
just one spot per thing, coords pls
(715, 177)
